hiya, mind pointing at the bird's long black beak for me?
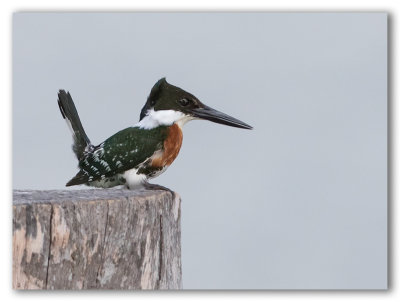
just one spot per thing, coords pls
(210, 114)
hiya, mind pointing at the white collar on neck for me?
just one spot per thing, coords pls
(157, 118)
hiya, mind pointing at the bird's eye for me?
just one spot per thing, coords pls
(184, 102)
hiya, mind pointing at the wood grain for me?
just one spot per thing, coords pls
(92, 239)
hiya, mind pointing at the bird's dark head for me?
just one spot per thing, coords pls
(170, 104)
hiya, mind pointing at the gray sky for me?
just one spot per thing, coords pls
(297, 203)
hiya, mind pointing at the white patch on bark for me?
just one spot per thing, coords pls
(177, 205)
(60, 236)
(109, 270)
(146, 281)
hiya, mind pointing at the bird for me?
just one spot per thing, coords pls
(132, 156)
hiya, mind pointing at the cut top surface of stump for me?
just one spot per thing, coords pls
(72, 196)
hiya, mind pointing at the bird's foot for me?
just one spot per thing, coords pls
(149, 186)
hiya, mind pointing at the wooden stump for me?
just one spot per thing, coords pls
(109, 239)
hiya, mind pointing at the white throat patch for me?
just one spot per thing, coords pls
(154, 119)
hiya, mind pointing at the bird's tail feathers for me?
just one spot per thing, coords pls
(69, 113)
(79, 179)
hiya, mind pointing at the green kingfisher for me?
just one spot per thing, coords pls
(141, 152)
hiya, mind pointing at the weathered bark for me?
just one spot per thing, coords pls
(109, 239)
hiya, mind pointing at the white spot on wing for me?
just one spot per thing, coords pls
(105, 165)
(99, 152)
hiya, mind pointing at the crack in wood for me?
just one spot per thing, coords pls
(104, 247)
(160, 251)
(50, 239)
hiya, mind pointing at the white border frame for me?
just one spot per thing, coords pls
(9, 6)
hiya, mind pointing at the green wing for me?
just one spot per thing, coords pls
(123, 151)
